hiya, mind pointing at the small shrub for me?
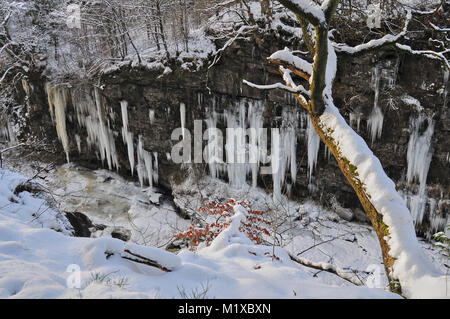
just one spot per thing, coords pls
(253, 225)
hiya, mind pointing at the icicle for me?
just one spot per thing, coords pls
(140, 166)
(375, 123)
(145, 165)
(148, 167)
(152, 116)
(49, 90)
(256, 147)
(127, 136)
(155, 171)
(313, 147)
(419, 158)
(124, 109)
(327, 153)
(91, 115)
(355, 118)
(58, 99)
(289, 138)
(78, 140)
(102, 135)
(376, 118)
(235, 148)
(276, 163)
(130, 148)
(419, 154)
(214, 147)
(183, 117)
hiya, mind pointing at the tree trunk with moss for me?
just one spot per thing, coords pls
(316, 108)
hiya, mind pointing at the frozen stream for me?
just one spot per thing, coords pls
(122, 206)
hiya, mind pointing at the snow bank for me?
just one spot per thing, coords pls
(34, 263)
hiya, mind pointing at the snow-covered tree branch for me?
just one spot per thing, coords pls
(406, 266)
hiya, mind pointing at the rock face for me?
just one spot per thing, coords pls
(398, 101)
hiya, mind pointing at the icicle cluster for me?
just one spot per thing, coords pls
(95, 117)
(355, 117)
(145, 170)
(6, 132)
(419, 158)
(246, 145)
(57, 100)
(91, 115)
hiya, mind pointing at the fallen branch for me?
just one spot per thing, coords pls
(143, 260)
(323, 266)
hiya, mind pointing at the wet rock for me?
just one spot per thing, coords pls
(82, 225)
(121, 233)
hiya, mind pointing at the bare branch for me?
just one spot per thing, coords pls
(328, 268)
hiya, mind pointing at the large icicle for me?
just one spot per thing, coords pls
(257, 144)
(155, 171)
(127, 136)
(419, 158)
(289, 136)
(91, 114)
(183, 117)
(57, 99)
(214, 156)
(145, 165)
(376, 118)
(235, 147)
(313, 141)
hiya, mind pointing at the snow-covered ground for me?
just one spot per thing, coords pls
(38, 255)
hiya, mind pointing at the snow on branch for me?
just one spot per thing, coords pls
(294, 63)
(376, 43)
(428, 53)
(286, 73)
(435, 27)
(299, 89)
(328, 268)
(306, 9)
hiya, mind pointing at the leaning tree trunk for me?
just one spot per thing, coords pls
(316, 108)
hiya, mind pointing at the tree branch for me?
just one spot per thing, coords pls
(427, 53)
(323, 266)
